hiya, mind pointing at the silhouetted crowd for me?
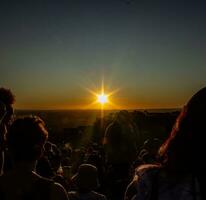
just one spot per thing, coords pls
(122, 166)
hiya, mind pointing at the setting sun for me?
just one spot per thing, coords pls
(102, 98)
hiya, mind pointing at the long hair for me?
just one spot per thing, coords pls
(183, 150)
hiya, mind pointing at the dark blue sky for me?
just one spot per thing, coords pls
(152, 51)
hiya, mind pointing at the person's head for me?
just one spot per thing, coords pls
(113, 133)
(53, 154)
(185, 146)
(48, 147)
(7, 99)
(86, 178)
(26, 138)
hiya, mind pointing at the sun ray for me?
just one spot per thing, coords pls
(102, 97)
(91, 91)
(113, 92)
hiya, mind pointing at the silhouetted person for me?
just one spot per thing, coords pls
(7, 99)
(182, 168)
(25, 140)
(120, 151)
(86, 181)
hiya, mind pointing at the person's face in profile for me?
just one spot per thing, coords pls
(2, 111)
(8, 119)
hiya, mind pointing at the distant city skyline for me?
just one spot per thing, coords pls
(151, 52)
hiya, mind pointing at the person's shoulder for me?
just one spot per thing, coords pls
(98, 195)
(146, 173)
(73, 195)
(58, 192)
(142, 181)
(147, 168)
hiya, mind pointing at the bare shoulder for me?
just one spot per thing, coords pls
(146, 168)
(141, 183)
(145, 174)
(58, 192)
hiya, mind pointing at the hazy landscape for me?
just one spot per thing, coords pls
(73, 125)
(75, 118)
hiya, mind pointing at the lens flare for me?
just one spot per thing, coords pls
(102, 98)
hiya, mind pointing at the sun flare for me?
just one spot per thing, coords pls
(102, 98)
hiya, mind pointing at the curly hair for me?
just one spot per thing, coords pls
(26, 138)
(6, 96)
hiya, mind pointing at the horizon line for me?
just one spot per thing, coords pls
(95, 109)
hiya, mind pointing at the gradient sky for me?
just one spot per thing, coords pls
(152, 51)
